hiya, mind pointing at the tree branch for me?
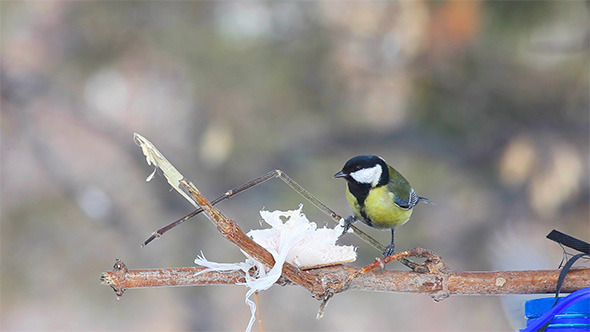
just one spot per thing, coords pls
(439, 286)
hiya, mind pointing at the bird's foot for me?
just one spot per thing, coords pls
(389, 250)
(348, 221)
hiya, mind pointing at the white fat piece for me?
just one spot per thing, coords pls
(368, 175)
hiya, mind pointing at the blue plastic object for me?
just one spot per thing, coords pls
(571, 313)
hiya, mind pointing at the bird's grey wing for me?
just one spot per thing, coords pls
(404, 195)
(409, 201)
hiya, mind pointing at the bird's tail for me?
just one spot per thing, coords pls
(425, 200)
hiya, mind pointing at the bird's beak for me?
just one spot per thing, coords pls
(339, 175)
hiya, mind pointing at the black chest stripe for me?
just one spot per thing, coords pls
(359, 191)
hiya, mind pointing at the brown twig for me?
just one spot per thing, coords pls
(433, 264)
(377, 280)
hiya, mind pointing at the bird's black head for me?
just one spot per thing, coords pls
(365, 170)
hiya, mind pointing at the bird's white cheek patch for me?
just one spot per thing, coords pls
(368, 175)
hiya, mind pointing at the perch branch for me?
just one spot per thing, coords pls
(377, 280)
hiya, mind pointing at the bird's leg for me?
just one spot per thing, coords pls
(390, 249)
(348, 221)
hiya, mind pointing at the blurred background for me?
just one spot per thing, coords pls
(483, 106)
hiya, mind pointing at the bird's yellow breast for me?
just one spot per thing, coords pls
(380, 208)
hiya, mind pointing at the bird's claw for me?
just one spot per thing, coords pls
(348, 221)
(389, 250)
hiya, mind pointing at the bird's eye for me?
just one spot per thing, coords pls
(357, 167)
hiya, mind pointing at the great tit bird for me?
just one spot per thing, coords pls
(378, 195)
